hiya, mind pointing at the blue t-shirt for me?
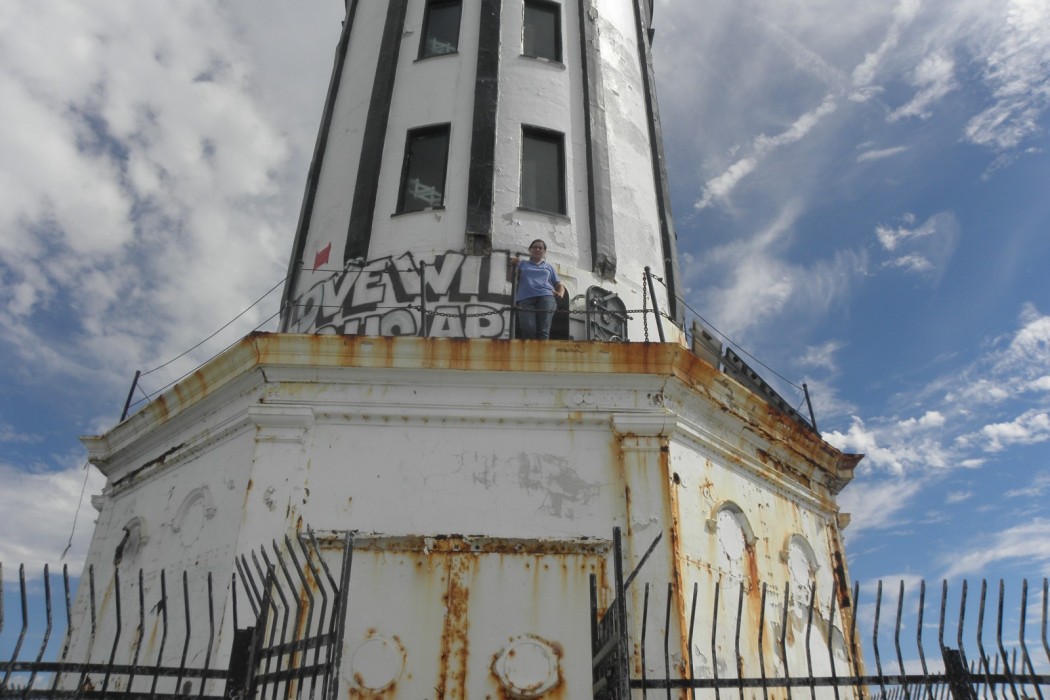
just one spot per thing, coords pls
(535, 280)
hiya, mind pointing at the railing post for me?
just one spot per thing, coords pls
(656, 308)
(422, 300)
(131, 394)
(513, 304)
(809, 403)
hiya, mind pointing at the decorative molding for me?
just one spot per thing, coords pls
(644, 424)
(711, 523)
(201, 493)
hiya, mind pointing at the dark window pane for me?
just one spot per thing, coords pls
(542, 32)
(423, 181)
(441, 30)
(542, 171)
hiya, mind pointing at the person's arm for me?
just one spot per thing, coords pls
(559, 288)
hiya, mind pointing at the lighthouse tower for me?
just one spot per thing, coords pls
(480, 477)
(457, 131)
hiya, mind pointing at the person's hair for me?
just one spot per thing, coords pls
(540, 241)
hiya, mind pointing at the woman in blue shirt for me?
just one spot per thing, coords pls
(538, 284)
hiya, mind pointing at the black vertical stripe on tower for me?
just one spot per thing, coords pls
(599, 179)
(291, 281)
(483, 132)
(668, 238)
(366, 185)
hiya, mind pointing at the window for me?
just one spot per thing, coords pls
(440, 28)
(542, 170)
(423, 175)
(541, 34)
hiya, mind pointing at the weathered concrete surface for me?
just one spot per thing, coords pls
(522, 454)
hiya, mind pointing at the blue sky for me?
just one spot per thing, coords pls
(860, 195)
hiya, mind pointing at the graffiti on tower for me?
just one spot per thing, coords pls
(466, 296)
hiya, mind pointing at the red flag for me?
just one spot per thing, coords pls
(322, 256)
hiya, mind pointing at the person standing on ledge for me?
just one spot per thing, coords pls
(538, 284)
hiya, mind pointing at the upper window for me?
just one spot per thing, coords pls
(541, 35)
(441, 28)
(542, 170)
(423, 174)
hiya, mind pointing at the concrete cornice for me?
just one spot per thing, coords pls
(675, 372)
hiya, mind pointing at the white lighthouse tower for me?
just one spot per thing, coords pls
(454, 133)
(481, 477)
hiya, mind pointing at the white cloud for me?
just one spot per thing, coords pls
(860, 439)
(821, 356)
(925, 249)
(151, 187)
(1040, 485)
(879, 154)
(1028, 543)
(864, 74)
(1029, 428)
(49, 500)
(958, 496)
(877, 505)
(935, 78)
(755, 285)
(1015, 71)
(9, 434)
(720, 187)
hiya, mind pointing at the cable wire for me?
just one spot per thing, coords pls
(228, 324)
(76, 515)
(179, 379)
(735, 344)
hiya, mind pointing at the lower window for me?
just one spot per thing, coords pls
(542, 170)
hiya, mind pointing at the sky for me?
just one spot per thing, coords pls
(860, 192)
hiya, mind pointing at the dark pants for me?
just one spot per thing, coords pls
(534, 317)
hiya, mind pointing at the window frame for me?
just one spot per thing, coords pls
(539, 133)
(406, 166)
(555, 9)
(425, 29)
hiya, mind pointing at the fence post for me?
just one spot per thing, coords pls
(958, 675)
(240, 657)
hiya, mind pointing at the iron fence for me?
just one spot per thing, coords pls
(963, 663)
(171, 643)
(186, 640)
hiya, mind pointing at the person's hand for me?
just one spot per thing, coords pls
(515, 260)
(560, 290)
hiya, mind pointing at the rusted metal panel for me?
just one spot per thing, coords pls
(464, 617)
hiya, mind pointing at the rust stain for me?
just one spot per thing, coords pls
(452, 661)
(160, 409)
(677, 558)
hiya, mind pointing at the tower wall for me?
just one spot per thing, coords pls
(594, 97)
